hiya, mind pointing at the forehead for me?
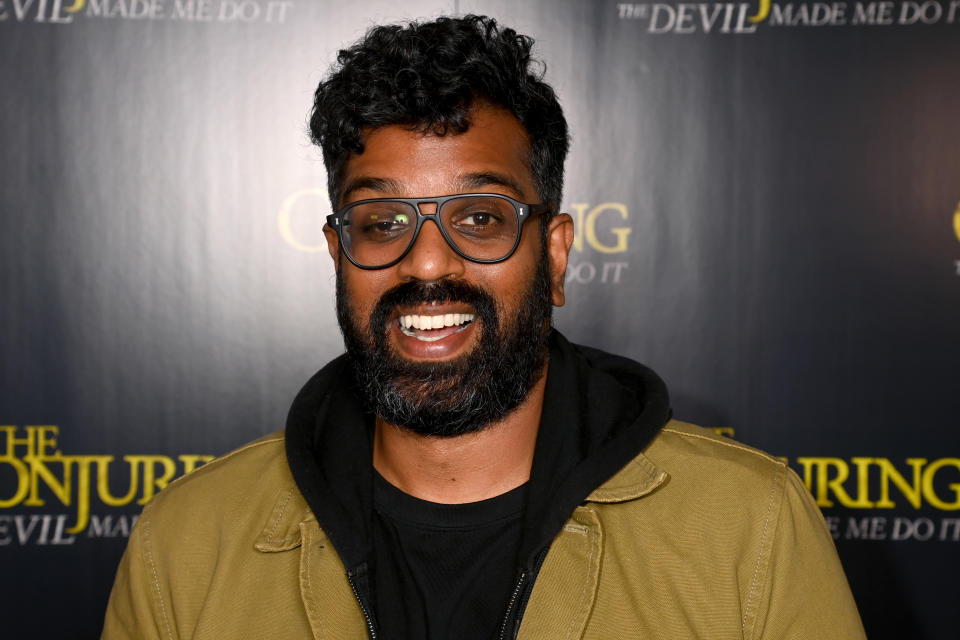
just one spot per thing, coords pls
(493, 152)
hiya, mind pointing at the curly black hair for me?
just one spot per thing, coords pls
(427, 76)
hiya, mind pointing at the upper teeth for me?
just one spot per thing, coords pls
(434, 322)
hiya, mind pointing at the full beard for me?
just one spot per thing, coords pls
(458, 396)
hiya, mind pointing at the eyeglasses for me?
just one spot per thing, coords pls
(481, 227)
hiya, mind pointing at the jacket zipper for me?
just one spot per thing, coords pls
(371, 630)
(520, 597)
(514, 597)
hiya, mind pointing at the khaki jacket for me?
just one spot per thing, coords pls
(697, 537)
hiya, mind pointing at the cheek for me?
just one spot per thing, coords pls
(507, 282)
(363, 290)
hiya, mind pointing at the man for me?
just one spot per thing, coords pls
(464, 471)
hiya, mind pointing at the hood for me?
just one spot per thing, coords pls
(599, 412)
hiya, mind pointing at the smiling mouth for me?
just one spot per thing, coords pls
(433, 328)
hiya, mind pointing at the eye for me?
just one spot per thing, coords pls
(477, 219)
(379, 225)
(386, 223)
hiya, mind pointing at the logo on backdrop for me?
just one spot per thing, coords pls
(956, 231)
(895, 489)
(301, 218)
(600, 241)
(35, 473)
(222, 11)
(746, 17)
(956, 222)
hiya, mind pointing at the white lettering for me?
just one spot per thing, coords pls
(684, 19)
(866, 529)
(670, 17)
(865, 14)
(58, 537)
(833, 524)
(727, 15)
(928, 13)
(583, 272)
(243, 10)
(193, 10)
(744, 25)
(23, 534)
(277, 10)
(951, 16)
(945, 526)
(920, 529)
(55, 14)
(708, 20)
(632, 11)
(20, 8)
(616, 268)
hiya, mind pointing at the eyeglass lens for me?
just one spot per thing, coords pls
(481, 227)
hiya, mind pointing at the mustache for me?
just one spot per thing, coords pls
(440, 291)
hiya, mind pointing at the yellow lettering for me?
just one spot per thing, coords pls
(763, 10)
(12, 441)
(41, 438)
(23, 483)
(585, 226)
(889, 473)
(956, 221)
(41, 461)
(826, 485)
(38, 470)
(863, 484)
(927, 485)
(103, 481)
(43, 441)
(83, 490)
(579, 210)
(620, 232)
(150, 482)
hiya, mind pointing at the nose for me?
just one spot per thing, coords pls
(430, 258)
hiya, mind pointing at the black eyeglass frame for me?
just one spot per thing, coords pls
(524, 211)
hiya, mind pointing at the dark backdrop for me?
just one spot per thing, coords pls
(768, 215)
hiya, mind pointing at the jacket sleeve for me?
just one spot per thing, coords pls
(136, 610)
(805, 594)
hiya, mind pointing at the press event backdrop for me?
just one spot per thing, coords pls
(767, 201)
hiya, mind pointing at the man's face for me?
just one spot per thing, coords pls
(464, 376)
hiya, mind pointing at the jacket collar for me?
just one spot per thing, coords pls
(639, 478)
(282, 531)
(600, 411)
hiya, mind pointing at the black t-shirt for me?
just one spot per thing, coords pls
(443, 570)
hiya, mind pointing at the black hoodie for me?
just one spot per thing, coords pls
(599, 412)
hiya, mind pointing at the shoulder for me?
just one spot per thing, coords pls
(716, 478)
(680, 446)
(236, 490)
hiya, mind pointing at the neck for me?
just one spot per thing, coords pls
(465, 468)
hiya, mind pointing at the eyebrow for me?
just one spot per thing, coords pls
(477, 180)
(489, 178)
(383, 185)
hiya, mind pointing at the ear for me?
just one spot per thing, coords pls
(333, 245)
(559, 241)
